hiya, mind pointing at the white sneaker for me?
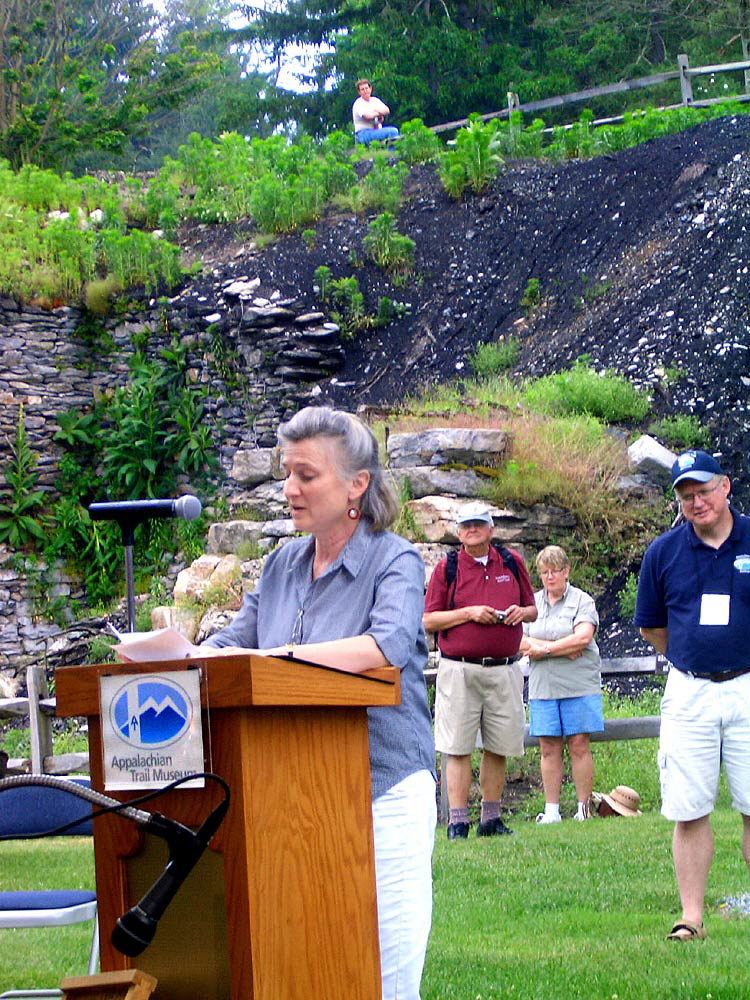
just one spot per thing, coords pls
(547, 818)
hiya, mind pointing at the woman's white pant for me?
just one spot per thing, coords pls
(403, 822)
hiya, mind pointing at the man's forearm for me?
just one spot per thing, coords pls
(437, 621)
(656, 637)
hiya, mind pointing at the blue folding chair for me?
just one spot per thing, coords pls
(30, 809)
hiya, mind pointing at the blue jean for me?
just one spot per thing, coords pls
(368, 135)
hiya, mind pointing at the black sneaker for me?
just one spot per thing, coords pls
(458, 831)
(492, 828)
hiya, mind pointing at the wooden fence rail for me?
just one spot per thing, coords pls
(684, 73)
(39, 708)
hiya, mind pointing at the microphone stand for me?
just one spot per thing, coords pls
(129, 514)
(128, 540)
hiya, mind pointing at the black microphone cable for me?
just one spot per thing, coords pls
(135, 929)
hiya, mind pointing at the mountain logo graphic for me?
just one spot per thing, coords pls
(151, 713)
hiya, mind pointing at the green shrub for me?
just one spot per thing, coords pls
(387, 247)
(611, 398)
(475, 160)
(349, 304)
(626, 597)
(323, 277)
(493, 357)
(19, 520)
(418, 144)
(531, 296)
(381, 188)
(339, 144)
(682, 431)
(133, 444)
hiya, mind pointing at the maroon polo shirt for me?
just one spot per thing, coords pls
(493, 584)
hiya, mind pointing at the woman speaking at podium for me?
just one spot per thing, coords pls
(350, 595)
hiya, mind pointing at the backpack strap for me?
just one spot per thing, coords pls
(507, 556)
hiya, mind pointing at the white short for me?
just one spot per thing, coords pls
(702, 724)
(403, 821)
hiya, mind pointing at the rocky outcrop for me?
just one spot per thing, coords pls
(434, 516)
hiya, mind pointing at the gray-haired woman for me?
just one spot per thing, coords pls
(565, 701)
(352, 595)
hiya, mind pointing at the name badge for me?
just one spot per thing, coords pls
(714, 609)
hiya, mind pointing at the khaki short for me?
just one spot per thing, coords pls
(470, 698)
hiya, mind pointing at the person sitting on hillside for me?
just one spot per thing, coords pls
(368, 113)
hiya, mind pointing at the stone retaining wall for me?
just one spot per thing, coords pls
(272, 357)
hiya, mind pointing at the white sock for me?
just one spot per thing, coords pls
(552, 809)
(581, 809)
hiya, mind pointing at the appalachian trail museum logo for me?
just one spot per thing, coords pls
(152, 727)
(151, 713)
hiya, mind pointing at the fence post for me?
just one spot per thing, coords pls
(514, 131)
(40, 728)
(686, 87)
(746, 58)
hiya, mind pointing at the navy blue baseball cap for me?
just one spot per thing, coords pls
(697, 465)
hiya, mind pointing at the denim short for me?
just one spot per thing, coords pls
(566, 716)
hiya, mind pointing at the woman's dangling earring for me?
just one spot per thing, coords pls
(353, 513)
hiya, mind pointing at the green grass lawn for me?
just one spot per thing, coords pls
(570, 911)
(37, 958)
(582, 910)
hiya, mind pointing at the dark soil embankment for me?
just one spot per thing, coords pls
(642, 263)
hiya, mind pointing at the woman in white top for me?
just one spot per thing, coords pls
(368, 113)
(565, 698)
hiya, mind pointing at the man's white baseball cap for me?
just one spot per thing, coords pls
(474, 511)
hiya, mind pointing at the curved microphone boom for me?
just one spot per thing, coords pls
(135, 930)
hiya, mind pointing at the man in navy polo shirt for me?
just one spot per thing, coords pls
(694, 606)
(478, 616)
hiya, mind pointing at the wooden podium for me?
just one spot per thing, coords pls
(282, 906)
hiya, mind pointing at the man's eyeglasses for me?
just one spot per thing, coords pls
(688, 499)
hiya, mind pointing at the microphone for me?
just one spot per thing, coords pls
(135, 930)
(187, 507)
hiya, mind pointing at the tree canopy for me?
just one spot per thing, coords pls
(442, 59)
(111, 82)
(88, 74)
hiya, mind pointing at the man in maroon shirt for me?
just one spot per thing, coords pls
(479, 619)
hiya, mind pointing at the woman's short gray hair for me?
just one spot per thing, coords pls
(553, 556)
(356, 449)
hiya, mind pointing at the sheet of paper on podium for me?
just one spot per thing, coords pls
(163, 644)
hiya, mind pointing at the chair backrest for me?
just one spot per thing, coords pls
(30, 809)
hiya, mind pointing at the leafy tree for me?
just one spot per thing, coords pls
(443, 60)
(87, 74)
